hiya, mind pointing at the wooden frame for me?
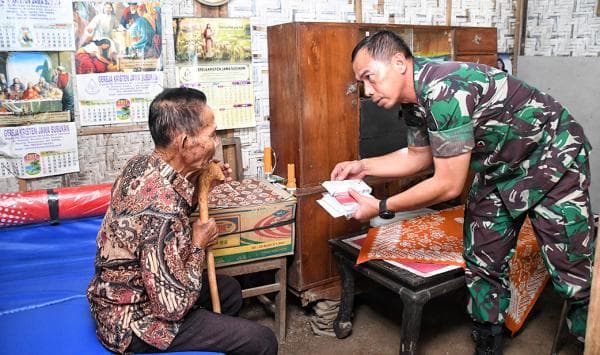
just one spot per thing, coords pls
(592, 336)
(232, 154)
(279, 286)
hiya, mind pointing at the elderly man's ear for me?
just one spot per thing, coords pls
(180, 142)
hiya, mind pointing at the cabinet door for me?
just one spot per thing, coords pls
(475, 40)
(313, 264)
(327, 127)
(285, 86)
(489, 59)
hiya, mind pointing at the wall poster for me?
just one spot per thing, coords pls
(214, 55)
(504, 62)
(35, 87)
(118, 60)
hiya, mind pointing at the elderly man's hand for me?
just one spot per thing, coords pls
(204, 235)
(227, 171)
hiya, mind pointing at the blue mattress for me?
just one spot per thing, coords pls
(44, 273)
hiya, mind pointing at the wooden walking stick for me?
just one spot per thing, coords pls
(212, 173)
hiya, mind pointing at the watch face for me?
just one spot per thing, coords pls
(213, 2)
(387, 214)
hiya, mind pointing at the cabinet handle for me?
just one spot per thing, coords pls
(351, 89)
(477, 39)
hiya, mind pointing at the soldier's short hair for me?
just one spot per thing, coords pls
(382, 46)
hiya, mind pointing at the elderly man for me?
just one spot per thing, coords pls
(530, 157)
(149, 293)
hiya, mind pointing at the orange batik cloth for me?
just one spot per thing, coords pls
(437, 238)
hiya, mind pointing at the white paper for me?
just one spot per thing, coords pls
(337, 202)
(335, 187)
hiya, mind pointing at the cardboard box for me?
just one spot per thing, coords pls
(256, 220)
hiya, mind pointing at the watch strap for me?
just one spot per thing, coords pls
(384, 212)
(383, 205)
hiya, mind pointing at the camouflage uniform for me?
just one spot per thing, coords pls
(530, 158)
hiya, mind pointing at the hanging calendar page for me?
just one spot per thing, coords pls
(214, 55)
(118, 60)
(38, 150)
(36, 25)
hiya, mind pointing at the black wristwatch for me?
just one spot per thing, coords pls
(383, 210)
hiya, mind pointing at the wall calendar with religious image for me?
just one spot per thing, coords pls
(214, 55)
(118, 60)
(36, 25)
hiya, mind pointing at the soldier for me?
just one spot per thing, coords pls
(529, 156)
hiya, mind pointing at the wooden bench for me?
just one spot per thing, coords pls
(277, 307)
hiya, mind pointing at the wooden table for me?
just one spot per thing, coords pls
(414, 290)
(279, 286)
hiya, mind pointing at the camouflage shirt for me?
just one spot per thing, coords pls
(521, 140)
(147, 277)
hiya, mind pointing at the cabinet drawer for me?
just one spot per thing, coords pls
(475, 40)
(489, 59)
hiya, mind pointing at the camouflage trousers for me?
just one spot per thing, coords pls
(563, 225)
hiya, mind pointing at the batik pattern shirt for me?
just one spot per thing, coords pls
(146, 276)
(521, 140)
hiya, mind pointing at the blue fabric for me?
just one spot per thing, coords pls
(44, 263)
(63, 328)
(44, 274)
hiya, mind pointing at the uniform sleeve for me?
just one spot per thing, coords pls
(451, 104)
(416, 129)
(171, 273)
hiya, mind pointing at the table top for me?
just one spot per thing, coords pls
(405, 277)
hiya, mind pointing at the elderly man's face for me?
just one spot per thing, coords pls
(200, 149)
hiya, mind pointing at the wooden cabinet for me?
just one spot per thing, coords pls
(475, 44)
(315, 118)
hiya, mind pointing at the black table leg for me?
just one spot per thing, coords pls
(411, 325)
(343, 322)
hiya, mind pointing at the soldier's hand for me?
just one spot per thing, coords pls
(353, 169)
(368, 206)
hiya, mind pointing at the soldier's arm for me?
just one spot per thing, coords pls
(403, 162)
(446, 183)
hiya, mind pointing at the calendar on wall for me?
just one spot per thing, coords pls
(113, 98)
(45, 25)
(100, 112)
(38, 150)
(231, 99)
(214, 55)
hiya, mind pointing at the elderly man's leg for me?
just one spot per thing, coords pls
(203, 330)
